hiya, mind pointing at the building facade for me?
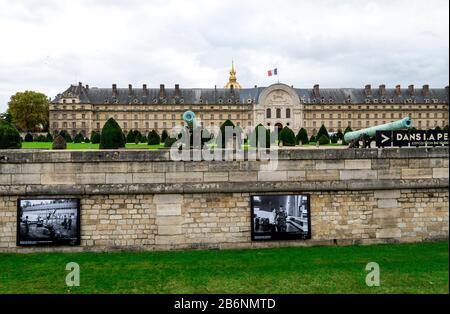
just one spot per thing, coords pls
(85, 109)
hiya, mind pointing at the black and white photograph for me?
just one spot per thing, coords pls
(280, 217)
(48, 222)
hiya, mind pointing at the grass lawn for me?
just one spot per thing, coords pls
(404, 268)
(47, 145)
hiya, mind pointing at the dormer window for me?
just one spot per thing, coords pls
(375, 100)
(383, 100)
(367, 101)
(249, 101)
(155, 100)
(229, 101)
(136, 101)
(427, 100)
(220, 100)
(391, 100)
(182, 101)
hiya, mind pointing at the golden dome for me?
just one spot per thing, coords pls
(232, 82)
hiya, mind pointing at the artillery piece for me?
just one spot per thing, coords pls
(366, 136)
(194, 128)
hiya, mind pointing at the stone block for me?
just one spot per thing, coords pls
(394, 194)
(112, 178)
(215, 176)
(169, 239)
(157, 177)
(330, 164)
(389, 174)
(184, 177)
(168, 209)
(386, 213)
(417, 173)
(440, 173)
(272, 176)
(90, 178)
(167, 199)
(243, 176)
(296, 175)
(358, 164)
(389, 233)
(322, 175)
(58, 178)
(169, 230)
(26, 179)
(5, 179)
(358, 174)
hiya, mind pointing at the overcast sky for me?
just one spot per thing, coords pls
(48, 45)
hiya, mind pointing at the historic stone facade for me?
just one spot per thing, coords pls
(86, 109)
(143, 200)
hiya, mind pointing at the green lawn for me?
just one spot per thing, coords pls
(47, 145)
(404, 268)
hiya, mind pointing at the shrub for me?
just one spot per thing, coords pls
(334, 138)
(287, 136)
(95, 137)
(170, 141)
(87, 140)
(324, 140)
(78, 138)
(445, 128)
(49, 137)
(59, 142)
(41, 138)
(9, 137)
(302, 136)
(322, 131)
(66, 136)
(153, 138)
(111, 136)
(340, 135)
(312, 139)
(438, 128)
(28, 137)
(131, 137)
(164, 136)
(254, 137)
(221, 138)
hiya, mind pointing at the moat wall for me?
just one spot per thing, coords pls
(142, 200)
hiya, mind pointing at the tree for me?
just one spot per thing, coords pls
(438, 128)
(66, 136)
(302, 136)
(49, 137)
(322, 131)
(323, 139)
(263, 142)
(95, 137)
(445, 128)
(6, 117)
(287, 136)
(78, 138)
(28, 137)
(334, 138)
(29, 110)
(59, 142)
(164, 135)
(131, 137)
(154, 138)
(236, 132)
(340, 135)
(312, 139)
(112, 136)
(9, 137)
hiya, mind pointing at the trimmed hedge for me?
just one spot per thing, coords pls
(322, 131)
(28, 138)
(287, 136)
(164, 136)
(59, 142)
(302, 136)
(9, 137)
(312, 139)
(153, 138)
(170, 141)
(324, 140)
(79, 138)
(112, 136)
(95, 137)
(66, 136)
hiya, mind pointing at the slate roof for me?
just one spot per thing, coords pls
(212, 96)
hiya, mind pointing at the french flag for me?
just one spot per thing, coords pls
(272, 72)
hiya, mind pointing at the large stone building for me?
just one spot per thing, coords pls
(85, 109)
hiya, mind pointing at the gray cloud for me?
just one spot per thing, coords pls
(48, 45)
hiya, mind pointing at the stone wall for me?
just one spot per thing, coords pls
(142, 200)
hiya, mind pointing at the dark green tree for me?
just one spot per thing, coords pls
(154, 138)
(131, 137)
(28, 137)
(59, 142)
(445, 128)
(322, 131)
(302, 136)
(312, 139)
(66, 136)
(112, 136)
(79, 138)
(323, 139)
(164, 135)
(95, 137)
(340, 135)
(49, 137)
(287, 136)
(6, 117)
(9, 137)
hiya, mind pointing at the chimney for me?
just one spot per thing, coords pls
(316, 91)
(398, 90)
(256, 86)
(80, 87)
(426, 90)
(162, 91)
(130, 90)
(114, 90)
(368, 90)
(177, 90)
(382, 90)
(144, 89)
(411, 90)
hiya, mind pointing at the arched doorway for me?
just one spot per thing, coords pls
(279, 126)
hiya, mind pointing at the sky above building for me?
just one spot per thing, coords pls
(48, 45)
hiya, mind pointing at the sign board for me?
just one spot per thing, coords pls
(412, 138)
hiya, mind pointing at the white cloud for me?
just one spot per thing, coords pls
(47, 45)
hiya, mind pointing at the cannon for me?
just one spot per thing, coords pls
(190, 119)
(367, 135)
